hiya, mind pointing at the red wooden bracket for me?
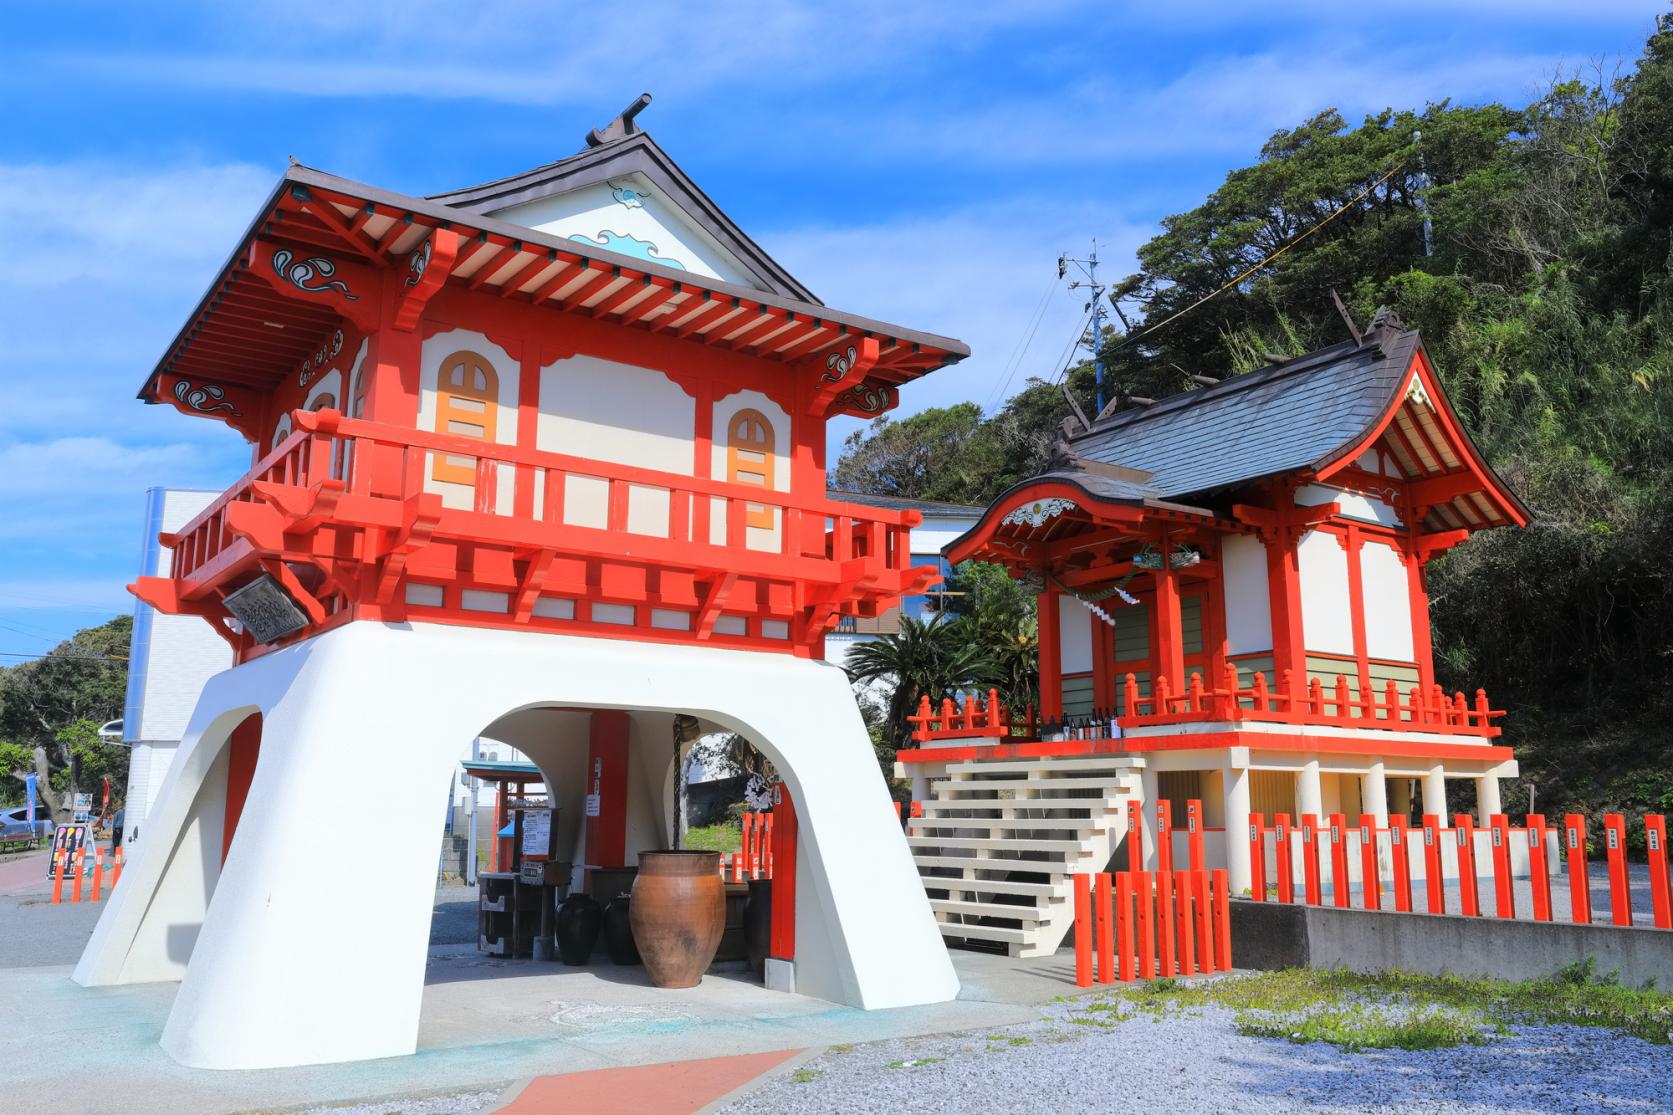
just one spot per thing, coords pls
(239, 407)
(428, 266)
(843, 368)
(712, 600)
(350, 289)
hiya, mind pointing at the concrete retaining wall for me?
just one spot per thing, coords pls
(1267, 935)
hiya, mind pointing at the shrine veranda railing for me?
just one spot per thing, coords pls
(518, 497)
(1416, 709)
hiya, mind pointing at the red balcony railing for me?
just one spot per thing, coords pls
(1415, 710)
(369, 475)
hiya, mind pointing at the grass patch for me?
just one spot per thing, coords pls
(714, 838)
(845, 1047)
(914, 1063)
(1404, 1010)
(806, 1076)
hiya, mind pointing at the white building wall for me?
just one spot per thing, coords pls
(1388, 602)
(1075, 635)
(1326, 618)
(169, 660)
(1248, 603)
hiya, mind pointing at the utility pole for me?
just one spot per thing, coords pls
(1089, 268)
(1422, 199)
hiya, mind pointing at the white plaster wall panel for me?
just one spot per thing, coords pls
(331, 383)
(436, 351)
(633, 218)
(1354, 505)
(1248, 600)
(1326, 620)
(621, 413)
(170, 657)
(325, 996)
(1075, 635)
(1388, 602)
(727, 408)
(938, 531)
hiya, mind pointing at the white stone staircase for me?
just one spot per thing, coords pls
(998, 841)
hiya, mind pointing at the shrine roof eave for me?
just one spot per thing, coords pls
(1031, 513)
(397, 223)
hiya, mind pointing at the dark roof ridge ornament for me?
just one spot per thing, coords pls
(1384, 328)
(622, 126)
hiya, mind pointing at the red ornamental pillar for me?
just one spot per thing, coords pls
(1469, 895)
(1283, 865)
(1504, 895)
(1257, 856)
(1310, 857)
(1400, 854)
(1193, 832)
(1339, 861)
(1661, 886)
(1579, 888)
(1369, 882)
(1164, 837)
(1434, 871)
(1615, 844)
(1539, 867)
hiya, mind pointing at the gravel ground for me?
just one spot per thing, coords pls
(1196, 1061)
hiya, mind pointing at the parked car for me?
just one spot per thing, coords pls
(15, 827)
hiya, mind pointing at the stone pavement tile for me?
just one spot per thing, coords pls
(671, 1088)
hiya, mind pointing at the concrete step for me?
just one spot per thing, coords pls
(1081, 826)
(1026, 914)
(1106, 782)
(1071, 766)
(1040, 892)
(990, 844)
(1109, 803)
(1035, 866)
(986, 933)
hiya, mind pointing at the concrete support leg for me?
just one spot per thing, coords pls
(1487, 799)
(1152, 794)
(1434, 794)
(1309, 792)
(1376, 804)
(1235, 783)
(297, 963)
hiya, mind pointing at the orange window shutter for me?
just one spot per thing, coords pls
(467, 405)
(750, 460)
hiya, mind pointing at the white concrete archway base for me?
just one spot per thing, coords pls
(294, 964)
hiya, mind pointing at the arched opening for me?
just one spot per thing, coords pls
(750, 445)
(467, 405)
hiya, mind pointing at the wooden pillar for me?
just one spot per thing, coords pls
(1103, 663)
(781, 941)
(1051, 656)
(1353, 541)
(1170, 641)
(606, 826)
(1422, 643)
(1283, 585)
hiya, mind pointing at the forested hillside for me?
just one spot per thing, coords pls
(1545, 296)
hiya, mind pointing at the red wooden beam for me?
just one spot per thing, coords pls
(522, 274)
(498, 260)
(588, 288)
(646, 306)
(722, 309)
(557, 282)
(327, 214)
(626, 293)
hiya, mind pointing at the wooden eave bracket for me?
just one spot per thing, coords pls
(307, 275)
(1428, 545)
(420, 514)
(843, 368)
(280, 571)
(428, 266)
(528, 591)
(1266, 521)
(713, 597)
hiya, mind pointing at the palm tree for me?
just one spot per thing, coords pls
(931, 659)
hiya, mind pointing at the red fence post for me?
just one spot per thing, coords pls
(116, 870)
(98, 871)
(1434, 870)
(1164, 838)
(58, 877)
(1339, 861)
(1147, 942)
(1661, 886)
(1370, 880)
(1469, 892)
(1183, 914)
(1106, 929)
(1124, 925)
(1620, 891)
(1257, 857)
(81, 865)
(1135, 837)
(1165, 933)
(1579, 887)
(1539, 868)
(747, 844)
(1083, 931)
(1193, 832)
(1282, 865)
(1399, 852)
(1310, 858)
(1222, 921)
(1504, 894)
(1205, 922)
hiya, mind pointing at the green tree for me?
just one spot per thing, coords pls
(933, 659)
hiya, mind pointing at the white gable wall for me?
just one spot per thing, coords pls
(1326, 617)
(631, 216)
(1248, 605)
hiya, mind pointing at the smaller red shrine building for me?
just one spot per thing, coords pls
(1232, 609)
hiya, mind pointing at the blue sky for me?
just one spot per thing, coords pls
(921, 163)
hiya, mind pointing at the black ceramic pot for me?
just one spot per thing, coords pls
(758, 924)
(579, 920)
(618, 932)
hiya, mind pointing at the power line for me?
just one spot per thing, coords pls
(1022, 346)
(1343, 208)
(39, 656)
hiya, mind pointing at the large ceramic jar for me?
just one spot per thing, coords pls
(678, 913)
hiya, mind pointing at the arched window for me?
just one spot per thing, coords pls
(467, 394)
(749, 460)
(324, 401)
(281, 430)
